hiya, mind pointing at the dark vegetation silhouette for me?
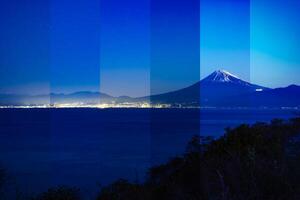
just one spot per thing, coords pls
(60, 193)
(3, 177)
(258, 162)
(250, 162)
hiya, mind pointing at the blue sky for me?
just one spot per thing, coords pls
(137, 47)
(225, 37)
(24, 46)
(275, 42)
(125, 47)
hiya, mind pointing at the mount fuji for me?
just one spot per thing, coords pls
(219, 89)
(214, 90)
(220, 85)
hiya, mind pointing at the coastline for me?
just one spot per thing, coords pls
(143, 107)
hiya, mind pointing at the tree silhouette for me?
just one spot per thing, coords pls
(255, 162)
(60, 193)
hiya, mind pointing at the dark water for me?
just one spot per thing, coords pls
(92, 147)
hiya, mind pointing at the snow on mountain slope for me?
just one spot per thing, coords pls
(209, 91)
(219, 89)
(222, 76)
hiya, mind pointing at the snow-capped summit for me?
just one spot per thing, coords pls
(223, 76)
(222, 84)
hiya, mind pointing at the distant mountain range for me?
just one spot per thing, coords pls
(219, 89)
(223, 89)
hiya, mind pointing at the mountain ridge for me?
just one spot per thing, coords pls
(219, 89)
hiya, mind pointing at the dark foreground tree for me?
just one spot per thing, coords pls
(3, 177)
(122, 189)
(258, 162)
(60, 193)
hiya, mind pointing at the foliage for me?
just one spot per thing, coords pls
(60, 193)
(3, 177)
(122, 189)
(258, 162)
(250, 162)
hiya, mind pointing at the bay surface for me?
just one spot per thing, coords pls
(89, 148)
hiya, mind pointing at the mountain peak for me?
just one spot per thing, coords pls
(225, 73)
(222, 76)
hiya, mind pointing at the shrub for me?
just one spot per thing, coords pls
(60, 193)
